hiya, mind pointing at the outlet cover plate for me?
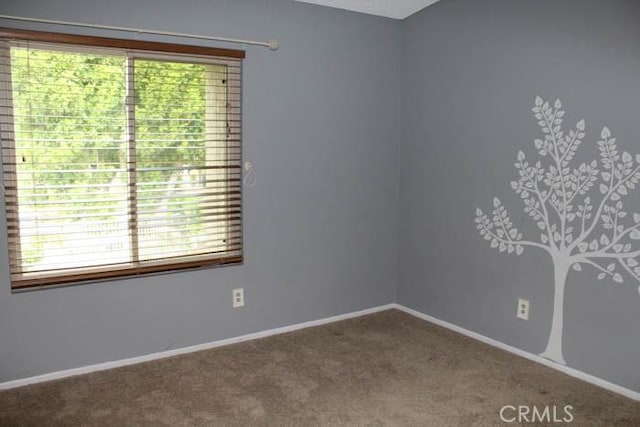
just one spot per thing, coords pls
(523, 309)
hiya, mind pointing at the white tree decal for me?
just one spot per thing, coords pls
(575, 230)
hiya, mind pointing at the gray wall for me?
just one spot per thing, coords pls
(321, 126)
(472, 70)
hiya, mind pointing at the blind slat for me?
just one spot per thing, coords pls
(146, 248)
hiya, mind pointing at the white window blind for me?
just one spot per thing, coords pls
(118, 161)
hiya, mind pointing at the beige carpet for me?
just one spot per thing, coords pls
(384, 369)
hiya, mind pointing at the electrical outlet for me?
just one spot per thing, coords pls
(238, 298)
(523, 309)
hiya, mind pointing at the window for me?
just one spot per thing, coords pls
(119, 157)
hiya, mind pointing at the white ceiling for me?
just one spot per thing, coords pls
(398, 9)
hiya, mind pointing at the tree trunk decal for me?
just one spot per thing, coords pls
(575, 230)
(554, 346)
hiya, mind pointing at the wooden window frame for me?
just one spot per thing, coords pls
(91, 274)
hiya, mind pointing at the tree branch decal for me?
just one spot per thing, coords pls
(578, 209)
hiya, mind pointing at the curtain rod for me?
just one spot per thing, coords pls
(271, 44)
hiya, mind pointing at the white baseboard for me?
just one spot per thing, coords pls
(169, 353)
(535, 358)
(270, 332)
